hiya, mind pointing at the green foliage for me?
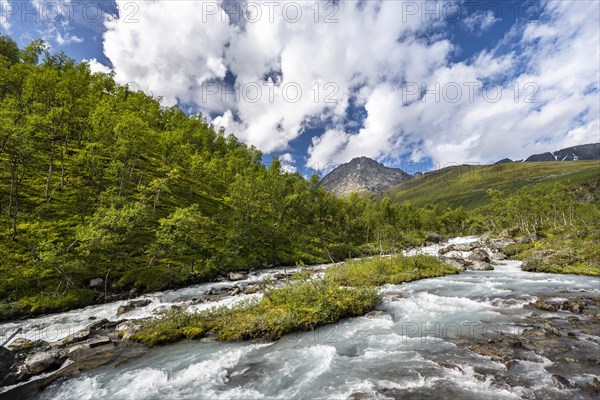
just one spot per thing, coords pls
(9, 51)
(301, 305)
(378, 271)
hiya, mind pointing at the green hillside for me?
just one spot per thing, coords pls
(466, 185)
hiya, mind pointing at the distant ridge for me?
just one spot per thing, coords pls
(582, 152)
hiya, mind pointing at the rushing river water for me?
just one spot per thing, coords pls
(401, 350)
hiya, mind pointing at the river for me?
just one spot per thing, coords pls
(411, 347)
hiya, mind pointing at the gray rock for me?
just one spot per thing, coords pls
(434, 238)
(480, 255)
(466, 246)
(102, 323)
(498, 255)
(480, 266)
(132, 305)
(251, 289)
(235, 291)
(75, 337)
(127, 329)
(7, 360)
(96, 282)
(499, 244)
(22, 345)
(40, 362)
(447, 249)
(237, 276)
(524, 239)
(360, 396)
(456, 263)
(561, 382)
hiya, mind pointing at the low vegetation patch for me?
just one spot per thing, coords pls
(580, 256)
(299, 306)
(378, 271)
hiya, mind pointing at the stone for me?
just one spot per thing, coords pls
(543, 253)
(101, 323)
(498, 255)
(7, 360)
(447, 249)
(251, 289)
(479, 255)
(237, 276)
(96, 282)
(98, 341)
(458, 263)
(434, 238)
(40, 362)
(132, 305)
(480, 266)
(524, 239)
(75, 337)
(20, 345)
(561, 382)
(235, 291)
(126, 329)
(359, 396)
(450, 365)
(499, 244)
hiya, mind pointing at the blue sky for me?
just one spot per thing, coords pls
(412, 84)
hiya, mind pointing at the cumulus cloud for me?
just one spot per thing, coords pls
(287, 163)
(270, 77)
(96, 66)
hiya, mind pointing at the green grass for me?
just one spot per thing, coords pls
(572, 255)
(378, 271)
(467, 185)
(299, 306)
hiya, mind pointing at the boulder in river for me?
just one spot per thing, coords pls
(561, 382)
(7, 359)
(458, 263)
(480, 266)
(75, 337)
(127, 329)
(22, 345)
(237, 276)
(251, 289)
(480, 255)
(466, 246)
(40, 362)
(131, 305)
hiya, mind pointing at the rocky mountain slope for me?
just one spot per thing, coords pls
(362, 175)
(583, 152)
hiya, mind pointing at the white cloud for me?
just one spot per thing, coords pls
(178, 51)
(287, 163)
(96, 66)
(480, 21)
(6, 8)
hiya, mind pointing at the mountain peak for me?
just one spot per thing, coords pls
(360, 175)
